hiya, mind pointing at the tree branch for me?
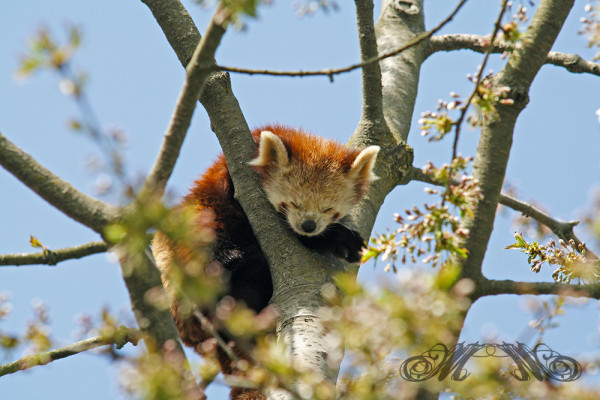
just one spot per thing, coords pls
(562, 229)
(52, 257)
(490, 287)
(496, 136)
(177, 25)
(198, 71)
(90, 212)
(571, 62)
(122, 337)
(372, 107)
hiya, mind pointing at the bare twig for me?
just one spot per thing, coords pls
(122, 337)
(331, 72)
(52, 257)
(198, 71)
(90, 212)
(571, 62)
(562, 229)
(210, 328)
(475, 91)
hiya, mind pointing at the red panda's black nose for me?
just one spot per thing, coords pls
(309, 226)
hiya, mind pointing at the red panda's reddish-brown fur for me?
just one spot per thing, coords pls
(311, 149)
(312, 181)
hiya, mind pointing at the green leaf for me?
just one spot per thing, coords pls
(448, 276)
(28, 66)
(461, 252)
(35, 242)
(520, 240)
(368, 254)
(8, 342)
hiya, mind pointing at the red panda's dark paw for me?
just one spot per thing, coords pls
(345, 243)
(352, 244)
(338, 240)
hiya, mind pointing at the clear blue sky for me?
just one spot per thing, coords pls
(134, 81)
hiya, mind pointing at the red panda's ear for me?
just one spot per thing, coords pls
(362, 167)
(271, 150)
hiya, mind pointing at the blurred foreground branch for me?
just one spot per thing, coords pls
(120, 338)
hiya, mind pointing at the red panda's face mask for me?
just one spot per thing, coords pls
(311, 195)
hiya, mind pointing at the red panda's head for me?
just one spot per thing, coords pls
(312, 181)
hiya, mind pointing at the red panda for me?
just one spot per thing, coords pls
(311, 181)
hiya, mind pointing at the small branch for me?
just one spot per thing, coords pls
(571, 62)
(198, 71)
(210, 328)
(489, 287)
(90, 212)
(122, 337)
(331, 72)
(562, 229)
(52, 257)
